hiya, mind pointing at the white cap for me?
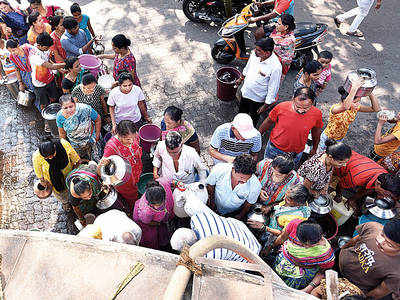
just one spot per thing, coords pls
(244, 125)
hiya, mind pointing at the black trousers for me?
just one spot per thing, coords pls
(250, 107)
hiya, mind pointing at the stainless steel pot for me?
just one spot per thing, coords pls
(98, 48)
(50, 114)
(370, 81)
(256, 214)
(107, 197)
(116, 172)
(25, 99)
(381, 208)
(321, 205)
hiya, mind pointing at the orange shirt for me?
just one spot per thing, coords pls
(338, 124)
(389, 147)
(32, 35)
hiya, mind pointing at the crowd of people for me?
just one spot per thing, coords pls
(40, 50)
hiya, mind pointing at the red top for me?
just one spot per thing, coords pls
(360, 171)
(291, 128)
(57, 46)
(282, 5)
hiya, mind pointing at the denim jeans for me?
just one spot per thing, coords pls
(271, 152)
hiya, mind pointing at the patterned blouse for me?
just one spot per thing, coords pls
(338, 124)
(315, 171)
(93, 99)
(127, 63)
(284, 48)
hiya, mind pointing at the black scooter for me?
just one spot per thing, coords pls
(308, 37)
(201, 11)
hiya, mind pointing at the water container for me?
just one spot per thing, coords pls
(226, 89)
(341, 213)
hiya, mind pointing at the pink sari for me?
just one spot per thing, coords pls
(133, 155)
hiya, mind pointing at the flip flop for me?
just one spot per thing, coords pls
(337, 22)
(355, 33)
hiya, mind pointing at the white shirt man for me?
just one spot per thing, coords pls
(262, 77)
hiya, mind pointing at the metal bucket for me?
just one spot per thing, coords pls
(370, 81)
(25, 99)
(50, 114)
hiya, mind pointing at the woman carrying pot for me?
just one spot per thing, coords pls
(84, 188)
(126, 145)
(126, 102)
(52, 162)
(123, 58)
(304, 256)
(276, 177)
(152, 212)
(342, 114)
(81, 124)
(317, 171)
(173, 122)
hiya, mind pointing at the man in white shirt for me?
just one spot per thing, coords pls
(175, 161)
(116, 226)
(262, 77)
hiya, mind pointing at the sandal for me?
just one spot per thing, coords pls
(355, 33)
(337, 22)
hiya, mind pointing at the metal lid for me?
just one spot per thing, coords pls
(321, 205)
(381, 208)
(368, 74)
(50, 112)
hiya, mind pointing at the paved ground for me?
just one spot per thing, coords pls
(175, 67)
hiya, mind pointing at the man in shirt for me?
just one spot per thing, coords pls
(293, 121)
(262, 77)
(371, 260)
(389, 142)
(365, 177)
(43, 80)
(233, 188)
(230, 140)
(280, 7)
(116, 226)
(74, 40)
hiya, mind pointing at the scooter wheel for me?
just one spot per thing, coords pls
(219, 54)
(190, 7)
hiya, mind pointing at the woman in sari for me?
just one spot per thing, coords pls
(45, 11)
(51, 163)
(126, 145)
(173, 122)
(283, 36)
(58, 30)
(13, 23)
(75, 121)
(152, 212)
(304, 256)
(123, 58)
(74, 74)
(84, 188)
(276, 177)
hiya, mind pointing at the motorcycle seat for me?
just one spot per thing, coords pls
(305, 28)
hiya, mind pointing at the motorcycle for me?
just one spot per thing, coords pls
(308, 37)
(201, 11)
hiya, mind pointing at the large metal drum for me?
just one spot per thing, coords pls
(370, 81)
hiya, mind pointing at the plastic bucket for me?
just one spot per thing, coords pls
(149, 134)
(226, 90)
(143, 180)
(91, 63)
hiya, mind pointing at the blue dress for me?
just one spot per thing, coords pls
(84, 26)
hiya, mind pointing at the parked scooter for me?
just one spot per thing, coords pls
(308, 37)
(201, 11)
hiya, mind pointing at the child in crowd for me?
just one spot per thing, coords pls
(325, 59)
(7, 70)
(83, 20)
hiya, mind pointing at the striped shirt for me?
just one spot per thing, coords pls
(360, 171)
(208, 224)
(225, 142)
